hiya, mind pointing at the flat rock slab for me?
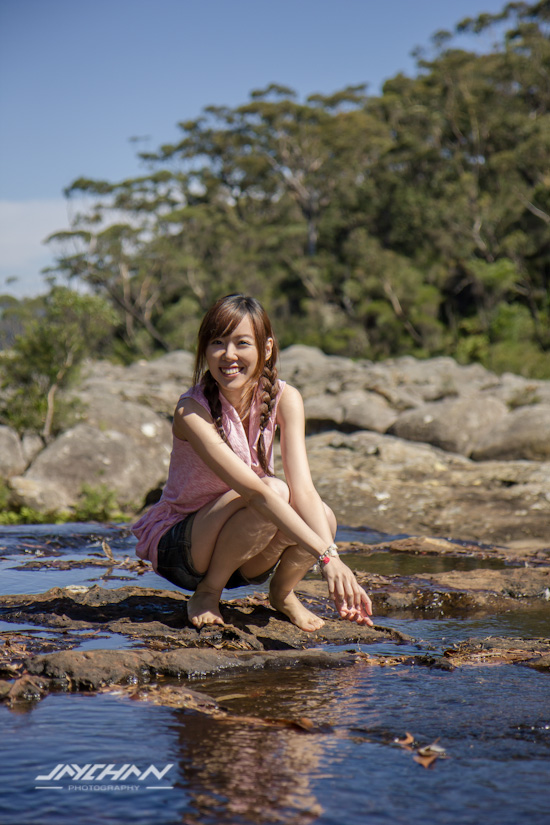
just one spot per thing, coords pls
(534, 653)
(158, 618)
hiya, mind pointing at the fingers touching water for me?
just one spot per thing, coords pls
(351, 601)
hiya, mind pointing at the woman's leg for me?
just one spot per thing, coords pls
(293, 566)
(226, 533)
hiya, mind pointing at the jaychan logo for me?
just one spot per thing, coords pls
(103, 777)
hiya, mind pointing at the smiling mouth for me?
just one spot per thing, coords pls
(230, 370)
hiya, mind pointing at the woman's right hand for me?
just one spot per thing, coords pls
(350, 600)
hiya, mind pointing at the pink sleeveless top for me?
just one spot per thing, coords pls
(191, 483)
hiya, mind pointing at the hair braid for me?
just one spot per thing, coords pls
(212, 395)
(269, 387)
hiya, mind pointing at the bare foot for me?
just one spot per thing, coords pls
(204, 608)
(296, 612)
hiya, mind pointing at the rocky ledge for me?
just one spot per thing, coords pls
(151, 650)
(405, 446)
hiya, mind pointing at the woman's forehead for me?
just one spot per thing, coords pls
(243, 327)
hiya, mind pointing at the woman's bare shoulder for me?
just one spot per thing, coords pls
(187, 404)
(290, 402)
(290, 395)
(187, 409)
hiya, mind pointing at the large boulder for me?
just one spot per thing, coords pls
(313, 372)
(524, 433)
(453, 425)
(88, 455)
(43, 496)
(434, 379)
(135, 421)
(156, 384)
(12, 459)
(349, 410)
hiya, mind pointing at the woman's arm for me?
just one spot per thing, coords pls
(193, 423)
(304, 497)
(351, 600)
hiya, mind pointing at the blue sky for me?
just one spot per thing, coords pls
(79, 78)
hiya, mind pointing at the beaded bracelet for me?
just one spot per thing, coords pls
(324, 558)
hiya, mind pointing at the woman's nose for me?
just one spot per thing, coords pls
(230, 350)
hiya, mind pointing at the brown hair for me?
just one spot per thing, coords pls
(221, 319)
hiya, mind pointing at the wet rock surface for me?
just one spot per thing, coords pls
(151, 651)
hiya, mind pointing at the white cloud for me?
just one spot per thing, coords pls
(24, 225)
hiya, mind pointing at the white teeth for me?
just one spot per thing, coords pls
(230, 370)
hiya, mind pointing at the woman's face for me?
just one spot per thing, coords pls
(233, 359)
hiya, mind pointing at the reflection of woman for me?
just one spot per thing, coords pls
(239, 772)
(224, 519)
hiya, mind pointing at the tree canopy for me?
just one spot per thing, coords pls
(413, 221)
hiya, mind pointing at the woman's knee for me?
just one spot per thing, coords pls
(279, 486)
(333, 524)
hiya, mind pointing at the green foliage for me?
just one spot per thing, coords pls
(368, 225)
(45, 358)
(25, 515)
(97, 503)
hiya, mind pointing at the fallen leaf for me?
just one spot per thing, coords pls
(408, 740)
(425, 761)
(305, 723)
(107, 550)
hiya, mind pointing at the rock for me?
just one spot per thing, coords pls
(434, 379)
(156, 384)
(519, 583)
(524, 433)
(42, 495)
(87, 455)
(136, 421)
(541, 663)
(453, 425)
(32, 445)
(12, 459)
(26, 689)
(311, 371)
(398, 463)
(354, 409)
(403, 487)
(94, 669)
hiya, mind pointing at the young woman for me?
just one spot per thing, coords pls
(224, 519)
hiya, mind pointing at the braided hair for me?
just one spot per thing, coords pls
(221, 319)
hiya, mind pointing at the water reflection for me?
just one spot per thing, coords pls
(239, 773)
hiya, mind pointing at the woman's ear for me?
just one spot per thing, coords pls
(268, 348)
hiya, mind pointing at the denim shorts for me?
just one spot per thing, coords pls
(175, 563)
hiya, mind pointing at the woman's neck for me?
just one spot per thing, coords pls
(240, 401)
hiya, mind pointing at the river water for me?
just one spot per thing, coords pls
(492, 722)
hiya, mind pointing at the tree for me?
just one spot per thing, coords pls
(367, 225)
(46, 356)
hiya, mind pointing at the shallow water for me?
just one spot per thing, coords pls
(350, 770)
(493, 722)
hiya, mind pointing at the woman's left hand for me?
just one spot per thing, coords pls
(350, 600)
